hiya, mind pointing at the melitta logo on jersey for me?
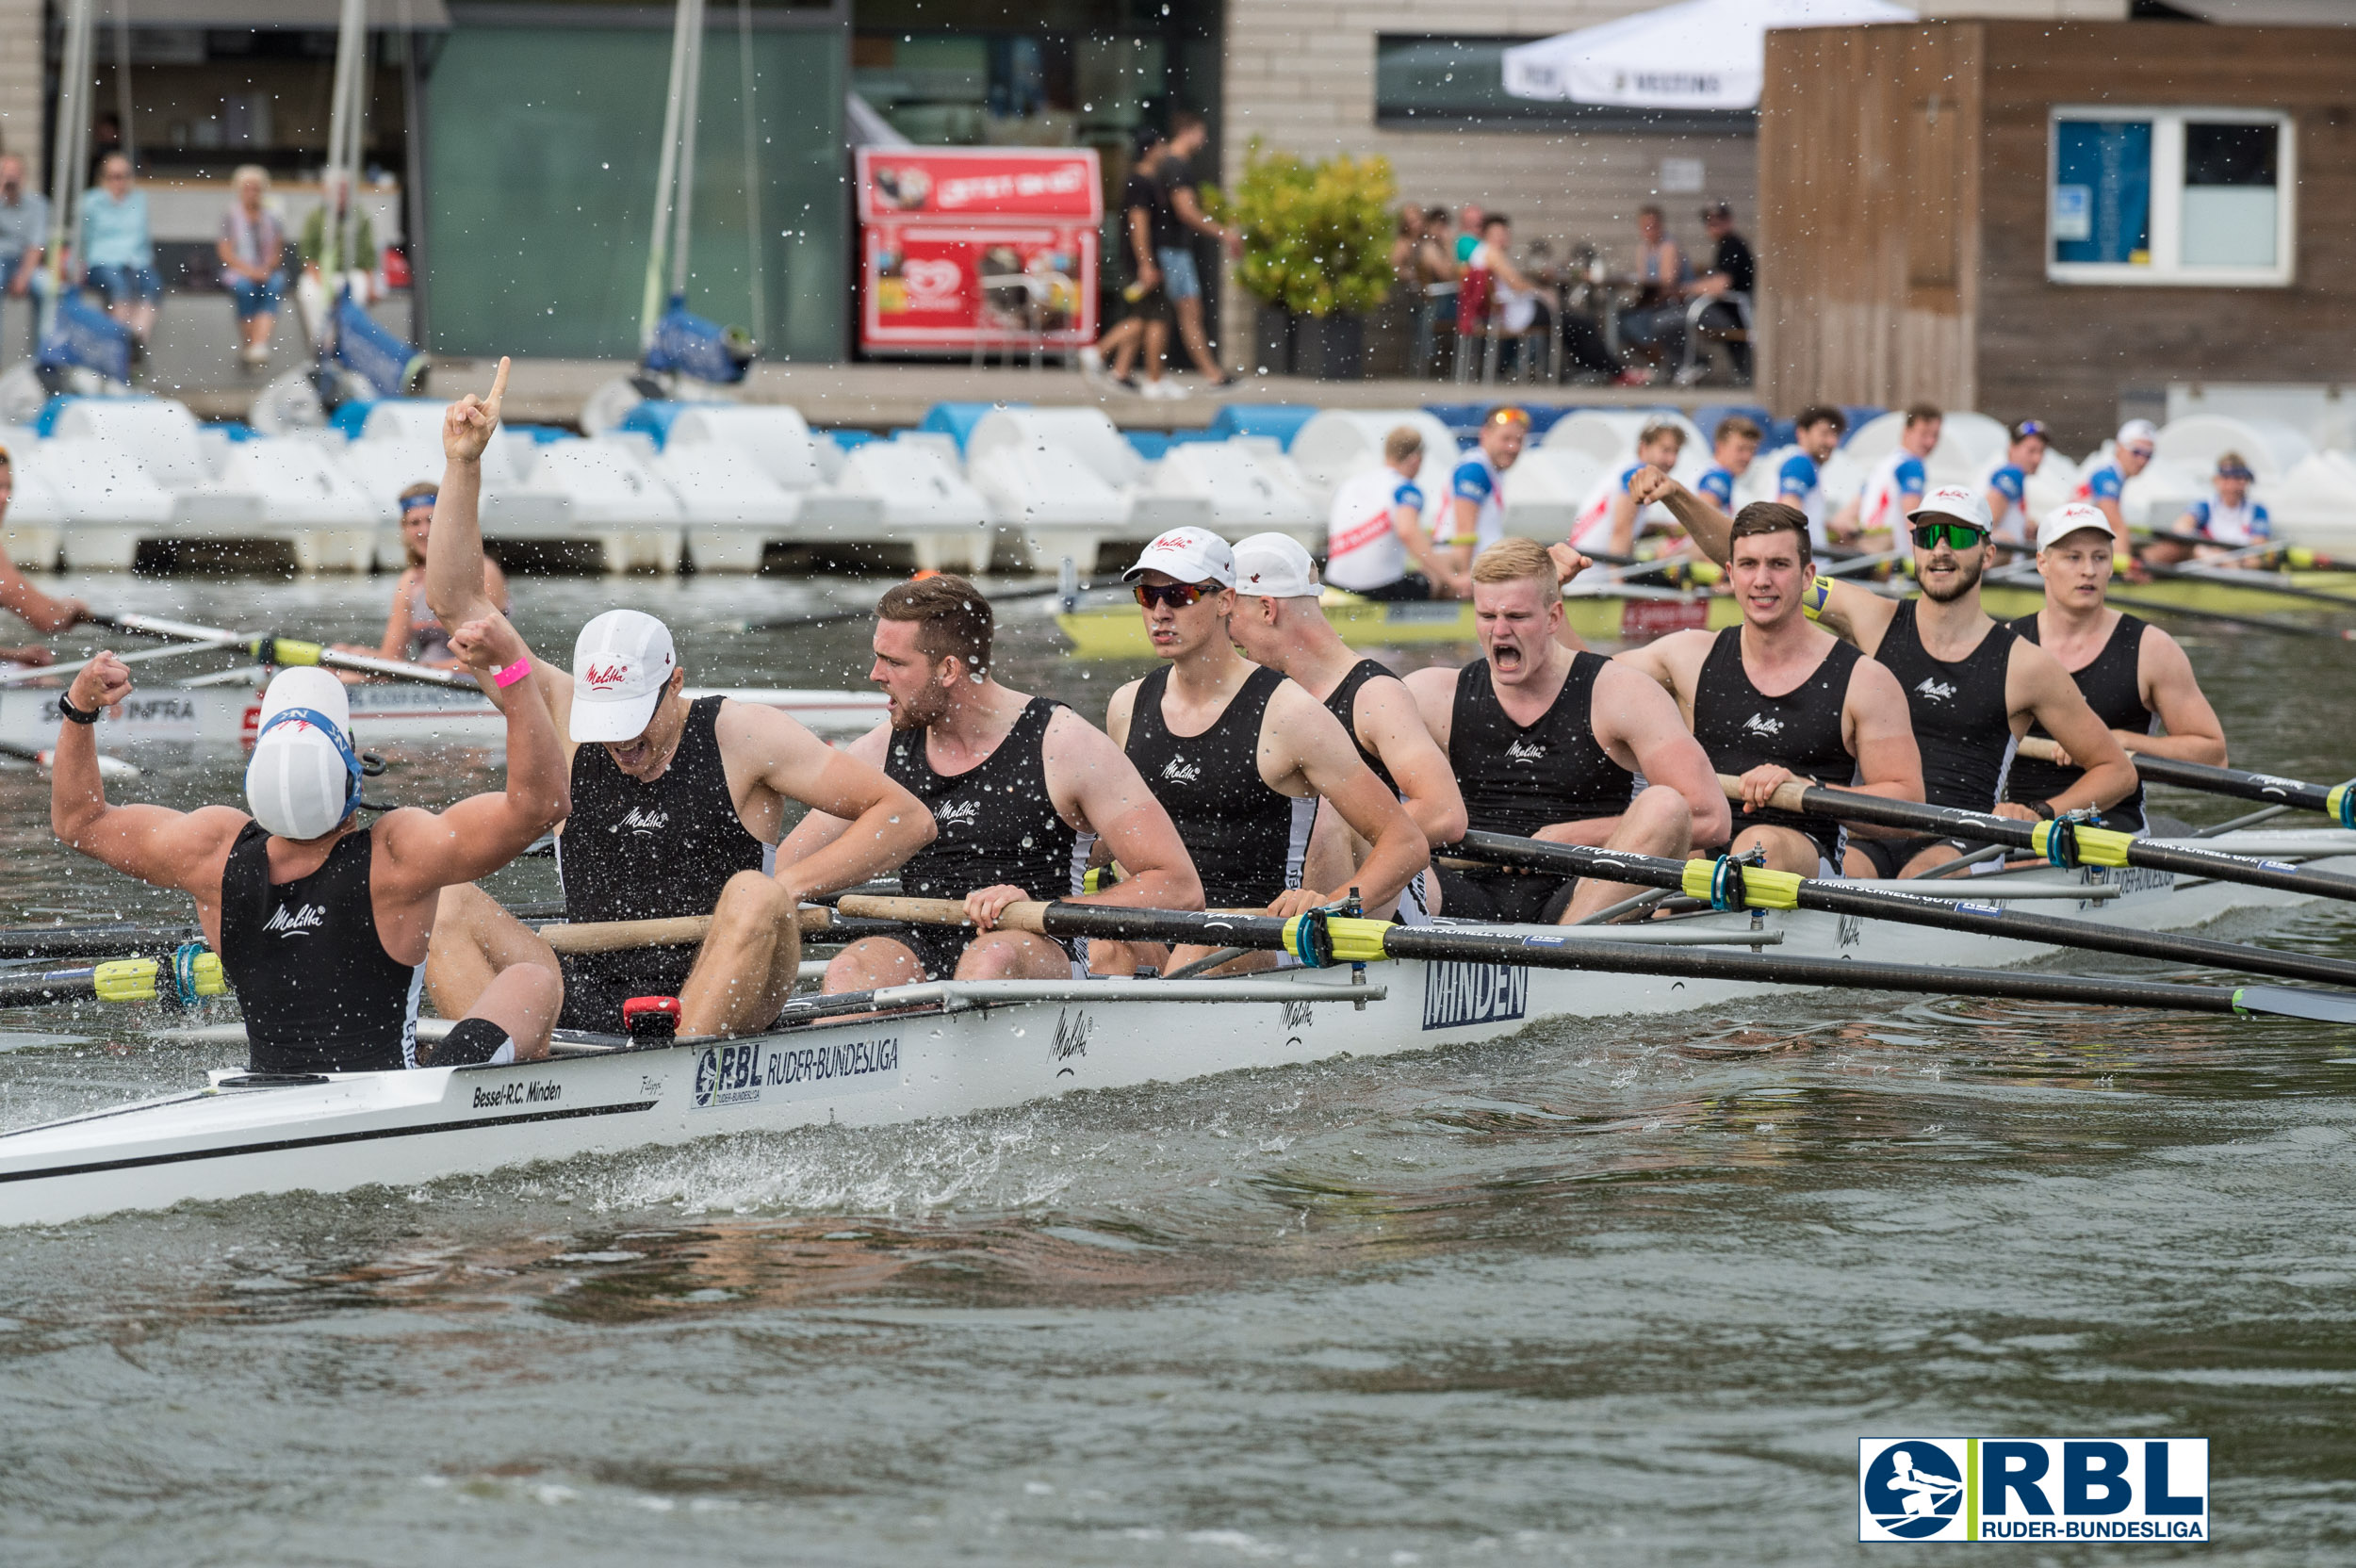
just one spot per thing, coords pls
(963, 813)
(296, 922)
(2033, 1488)
(1179, 770)
(1935, 689)
(638, 820)
(1758, 724)
(1522, 751)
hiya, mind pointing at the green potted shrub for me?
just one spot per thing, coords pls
(1316, 254)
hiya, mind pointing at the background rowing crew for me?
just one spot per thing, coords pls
(1209, 785)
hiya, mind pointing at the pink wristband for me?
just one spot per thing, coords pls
(513, 673)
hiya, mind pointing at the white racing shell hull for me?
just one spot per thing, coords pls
(962, 1047)
(384, 716)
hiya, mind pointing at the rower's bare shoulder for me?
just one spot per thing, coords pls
(1124, 702)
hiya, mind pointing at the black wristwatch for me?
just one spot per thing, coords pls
(79, 715)
(2044, 808)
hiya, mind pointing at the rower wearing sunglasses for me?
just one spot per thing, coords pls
(2137, 442)
(1972, 687)
(1241, 756)
(2134, 677)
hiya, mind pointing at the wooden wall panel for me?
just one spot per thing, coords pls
(2067, 353)
(1869, 145)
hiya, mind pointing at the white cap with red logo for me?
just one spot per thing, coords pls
(1188, 554)
(620, 663)
(1275, 566)
(1960, 502)
(2075, 517)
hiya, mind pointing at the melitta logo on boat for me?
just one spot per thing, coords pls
(638, 820)
(1179, 770)
(740, 1074)
(1522, 751)
(1456, 995)
(295, 922)
(1935, 689)
(1758, 724)
(2033, 1489)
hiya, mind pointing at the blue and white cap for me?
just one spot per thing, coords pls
(303, 778)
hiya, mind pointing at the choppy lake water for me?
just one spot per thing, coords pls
(1605, 1293)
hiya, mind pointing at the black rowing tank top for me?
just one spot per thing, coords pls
(1516, 779)
(1962, 724)
(2113, 687)
(639, 851)
(1246, 839)
(319, 992)
(1741, 727)
(997, 823)
(1343, 705)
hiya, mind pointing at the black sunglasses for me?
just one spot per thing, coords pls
(1178, 596)
(1962, 536)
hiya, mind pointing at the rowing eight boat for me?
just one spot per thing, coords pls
(953, 1047)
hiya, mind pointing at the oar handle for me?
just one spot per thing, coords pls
(1789, 796)
(938, 912)
(617, 935)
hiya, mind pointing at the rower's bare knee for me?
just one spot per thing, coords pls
(1658, 821)
(1013, 956)
(1786, 850)
(870, 964)
(750, 900)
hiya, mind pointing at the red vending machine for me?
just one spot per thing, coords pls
(972, 248)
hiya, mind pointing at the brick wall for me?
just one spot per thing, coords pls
(21, 72)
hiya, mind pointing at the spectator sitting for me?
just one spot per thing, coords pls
(1732, 272)
(118, 251)
(1655, 322)
(1584, 343)
(24, 232)
(315, 291)
(1513, 295)
(252, 244)
(1468, 233)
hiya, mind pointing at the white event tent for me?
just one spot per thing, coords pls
(1700, 54)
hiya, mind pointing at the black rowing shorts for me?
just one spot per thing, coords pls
(1507, 897)
(1889, 855)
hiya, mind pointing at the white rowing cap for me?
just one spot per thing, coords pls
(1189, 555)
(620, 663)
(1960, 502)
(1275, 566)
(303, 778)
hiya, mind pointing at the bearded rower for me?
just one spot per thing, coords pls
(1972, 687)
(1546, 741)
(1776, 698)
(676, 806)
(1020, 787)
(2134, 677)
(1240, 757)
(1279, 623)
(323, 924)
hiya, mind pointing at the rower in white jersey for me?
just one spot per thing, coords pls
(1375, 544)
(1800, 481)
(1872, 518)
(1610, 519)
(1551, 742)
(2134, 676)
(2105, 486)
(2009, 482)
(1021, 788)
(1477, 490)
(1280, 624)
(2215, 528)
(1239, 757)
(1776, 698)
(1973, 687)
(1733, 445)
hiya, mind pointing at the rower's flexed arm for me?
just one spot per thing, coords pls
(1879, 728)
(1640, 726)
(1392, 726)
(1856, 612)
(1100, 790)
(181, 850)
(861, 824)
(429, 850)
(2039, 691)
(2169, 690)
(1301, 742)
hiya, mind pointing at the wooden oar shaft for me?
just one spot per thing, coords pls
(1978, 919)
(1980, 827)
(617, 936)
(2239, 783)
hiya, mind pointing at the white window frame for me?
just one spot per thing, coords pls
(2167, 200)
